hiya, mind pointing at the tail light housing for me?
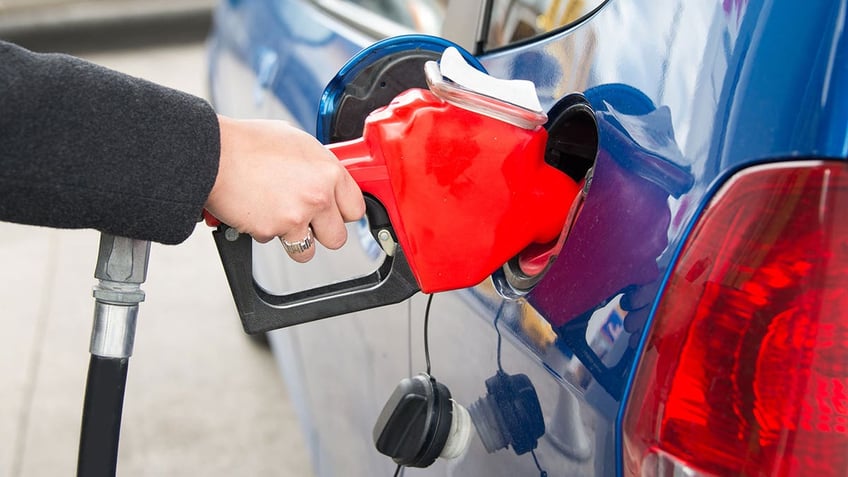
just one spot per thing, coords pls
(745, 367)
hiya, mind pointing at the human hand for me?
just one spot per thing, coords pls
(275, 180)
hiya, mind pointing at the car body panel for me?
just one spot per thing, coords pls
(685, 93)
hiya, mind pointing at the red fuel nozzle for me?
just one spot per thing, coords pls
(464, 192)
(452, 175)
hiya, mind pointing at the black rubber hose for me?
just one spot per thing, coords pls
(101, 417)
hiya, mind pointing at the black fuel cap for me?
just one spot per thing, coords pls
(415, 423)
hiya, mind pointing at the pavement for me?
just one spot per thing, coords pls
(201, 397)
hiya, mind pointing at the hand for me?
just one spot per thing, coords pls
(275, 180)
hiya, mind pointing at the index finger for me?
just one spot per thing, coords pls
(349, 198)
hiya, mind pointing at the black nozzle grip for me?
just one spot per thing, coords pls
(261, 311)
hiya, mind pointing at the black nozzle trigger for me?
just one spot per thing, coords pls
(261, 311)
(378, 218)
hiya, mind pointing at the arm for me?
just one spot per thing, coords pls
(82, 146)
(85, 147)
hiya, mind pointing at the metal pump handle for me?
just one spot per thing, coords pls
(121, 269)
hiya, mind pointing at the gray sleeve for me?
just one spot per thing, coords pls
(82, 146)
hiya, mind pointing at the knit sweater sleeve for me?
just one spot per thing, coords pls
(82, 146)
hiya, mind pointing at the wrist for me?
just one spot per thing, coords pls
(225, 125)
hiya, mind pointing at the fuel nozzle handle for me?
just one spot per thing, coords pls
(262, 311)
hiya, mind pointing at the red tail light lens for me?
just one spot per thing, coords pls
(745, 371)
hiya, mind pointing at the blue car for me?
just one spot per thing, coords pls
(690, 321)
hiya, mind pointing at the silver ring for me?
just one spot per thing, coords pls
(300, 246)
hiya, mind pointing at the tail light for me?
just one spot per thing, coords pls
(745, 368)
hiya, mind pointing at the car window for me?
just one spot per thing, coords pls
(422, 16)
(513, 21)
